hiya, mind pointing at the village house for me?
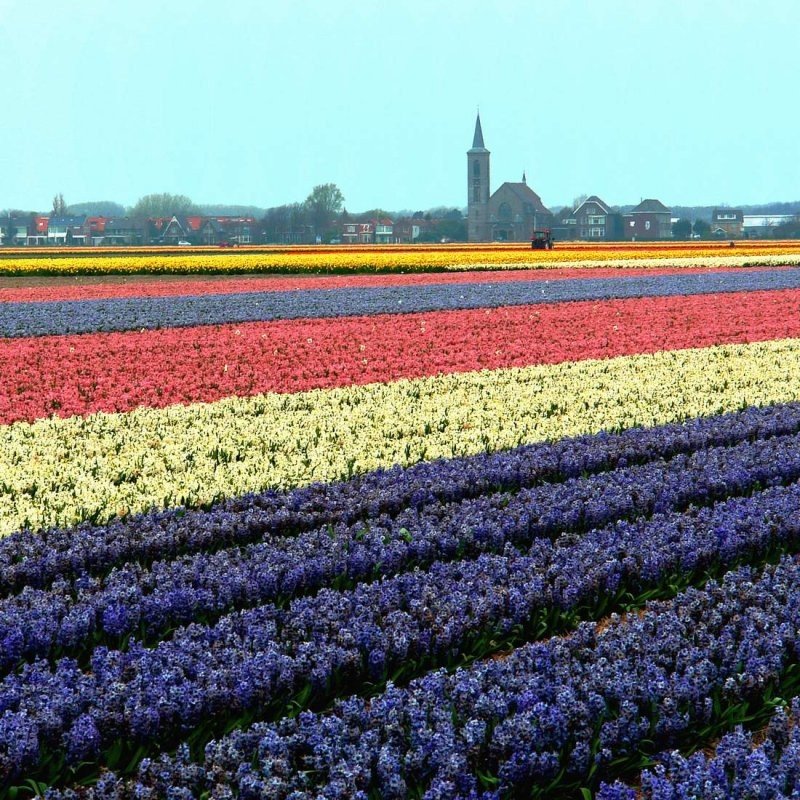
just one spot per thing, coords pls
(358, 232)
(649, 221)
(727, 223)
(67, 230)
(595, 220)
(384, 230)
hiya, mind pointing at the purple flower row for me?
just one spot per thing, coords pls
(255, 662)
(554, 713)
(71, 616)
(739, 768)
(135, 313)
(35, 560)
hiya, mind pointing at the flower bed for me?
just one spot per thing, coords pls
(120, 314)
(79, 375)
(515, 549)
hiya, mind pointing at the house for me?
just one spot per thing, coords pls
(67, 230)
(124, 231)
(94, 228)
(727, 223)
(565, 226)
(407, 231)
(178, 229)
(240, 230)
(37, 231)
(350, 232)
(358, 232)
(648, 221)
(384, 230)
(595, 220)
(14, 231)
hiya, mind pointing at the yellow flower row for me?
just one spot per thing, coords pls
(390, 259)
(62, 471)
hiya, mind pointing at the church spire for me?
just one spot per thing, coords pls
(524, 180)
(477, 140)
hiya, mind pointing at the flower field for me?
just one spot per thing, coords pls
(357, 258)
(461, 534)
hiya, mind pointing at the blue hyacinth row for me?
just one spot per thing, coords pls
(550, 714)
(121, 314)
(258, 661)
(738, 768)
(72, 616)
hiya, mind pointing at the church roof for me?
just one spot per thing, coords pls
(526, 195)
(477, 139)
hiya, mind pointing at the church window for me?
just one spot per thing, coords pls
(504, 212)
(476, 168)
(476, 192)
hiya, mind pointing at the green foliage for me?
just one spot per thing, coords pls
(682, 229)
(702, 228)
(97, 208)
(162, 205)
(324, 203)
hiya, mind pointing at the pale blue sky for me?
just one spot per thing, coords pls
(690, 101)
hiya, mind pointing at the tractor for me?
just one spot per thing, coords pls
(542, 240)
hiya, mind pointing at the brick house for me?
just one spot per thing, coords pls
(650, 220)
(350, 232)
(727, 223)
(358, 232)
(407, 230)
(596, 221)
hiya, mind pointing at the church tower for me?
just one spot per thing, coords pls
(478, 188)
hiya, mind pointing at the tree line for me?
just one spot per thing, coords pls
(320, 215)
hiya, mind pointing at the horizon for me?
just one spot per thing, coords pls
(211, 209)
(624, 102)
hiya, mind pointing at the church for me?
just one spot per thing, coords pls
(511, 214)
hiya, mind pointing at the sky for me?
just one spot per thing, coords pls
(255, 102)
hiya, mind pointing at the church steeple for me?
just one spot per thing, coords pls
(477, 140)
(478, 187)
(524, 180)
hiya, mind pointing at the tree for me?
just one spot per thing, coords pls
(287, 224)
(788, 230)
(702, 228)
(682, 229)
(324, 204)
(59, 206)
(97, 208)
(374, 213)
(162, 205)
(579, 201)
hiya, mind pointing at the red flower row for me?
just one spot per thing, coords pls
(226, 285)
(69, 375)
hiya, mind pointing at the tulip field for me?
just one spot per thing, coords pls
(453, 523)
